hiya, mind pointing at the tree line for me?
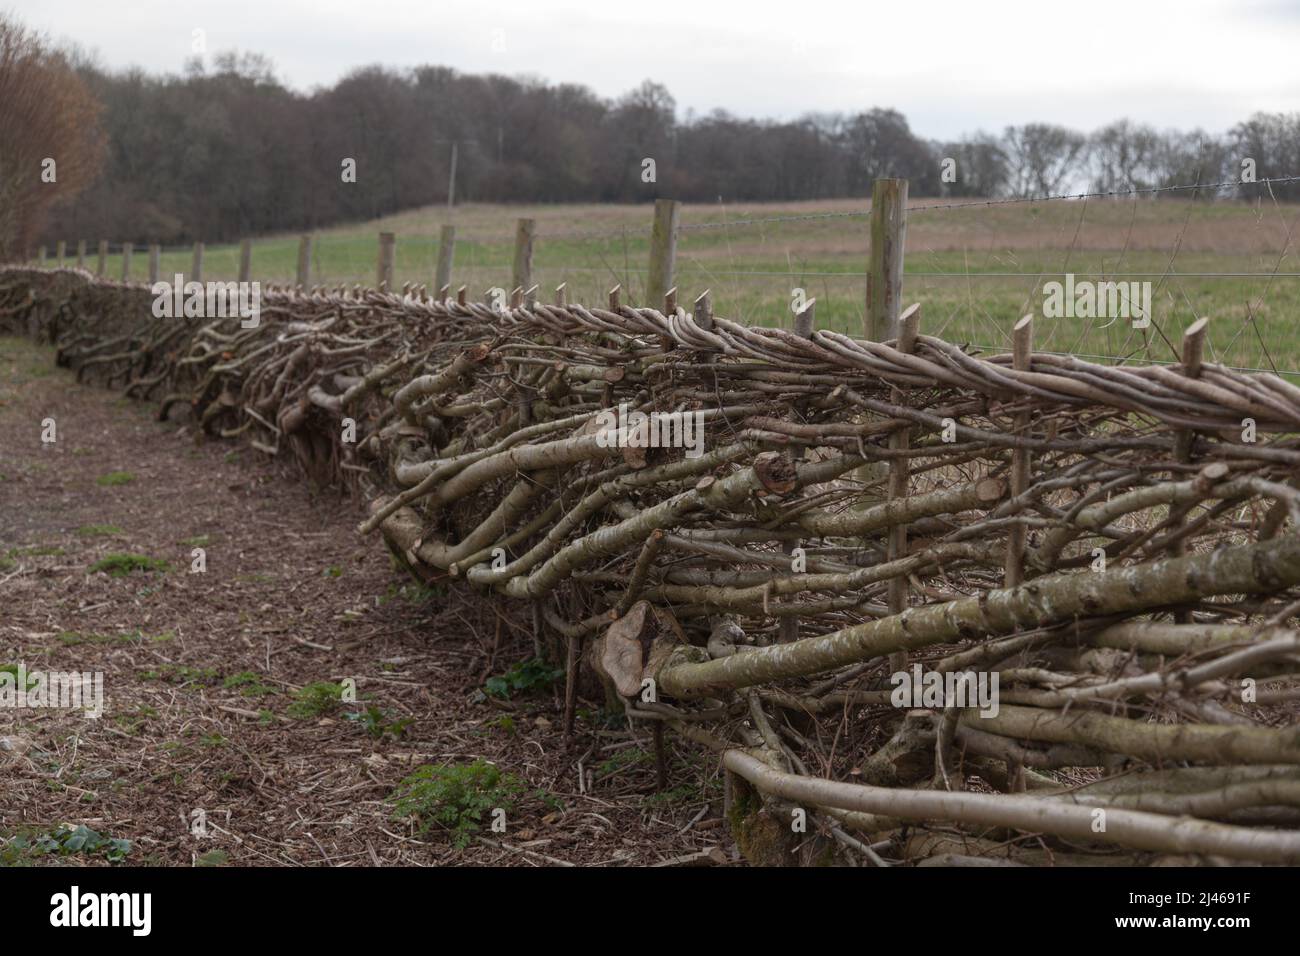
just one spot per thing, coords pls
(225, 149)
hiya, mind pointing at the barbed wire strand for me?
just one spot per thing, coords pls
(624, 233)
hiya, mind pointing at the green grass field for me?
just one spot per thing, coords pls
(974, 270)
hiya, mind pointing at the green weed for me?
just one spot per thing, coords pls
(248, 683)
(120, 564)
(181, 674)
(98, 530)
(115, 478)
(63, 840)
(13, 669)
(316, 700)
(455, 798)
(377, 723)
(524, 677)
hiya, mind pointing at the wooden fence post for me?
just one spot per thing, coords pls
(804, 323)
(61, 251)
(451, 176)
(245, 259)
(155, 261)
(304, 261)
(900, 471)
(384, 267)
(885, 264)
(446, 255)
(1193, 353)
(101, 266)
(663, 250)
(196, 266)
(884, 285)
(81, 253)
(522, 273)
(669, 308)
(126, 261)
(704, 310)
(40, 257)
(1022, 352)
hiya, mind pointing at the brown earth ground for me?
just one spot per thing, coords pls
(200, 669)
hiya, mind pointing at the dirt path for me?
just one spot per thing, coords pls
(205, 717)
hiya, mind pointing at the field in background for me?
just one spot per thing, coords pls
(975, 270)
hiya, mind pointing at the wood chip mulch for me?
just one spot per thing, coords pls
(201, 670)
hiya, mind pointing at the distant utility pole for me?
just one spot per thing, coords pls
(451, 176)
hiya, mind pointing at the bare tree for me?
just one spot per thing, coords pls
(982, 166)
(1270, 144)
(1193, 157)
(1043, 158)
(880, 144)
(50, 140)
(1123, 156)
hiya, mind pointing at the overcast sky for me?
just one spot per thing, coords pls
(950, 66)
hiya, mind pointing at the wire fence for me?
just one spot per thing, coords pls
(975, 276)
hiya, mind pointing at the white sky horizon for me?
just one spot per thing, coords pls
(1205, 64)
